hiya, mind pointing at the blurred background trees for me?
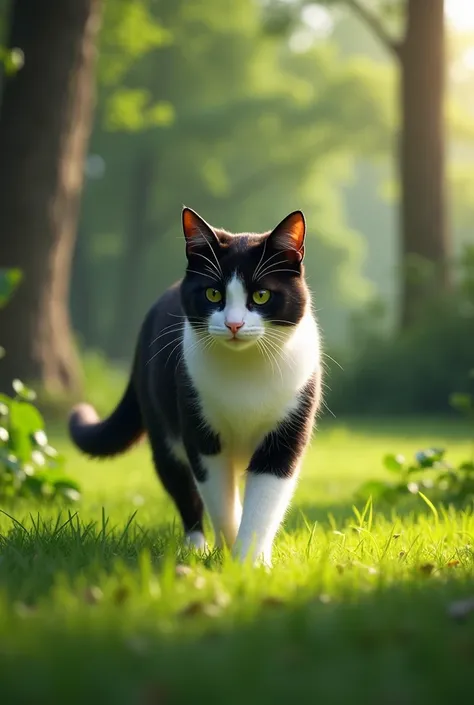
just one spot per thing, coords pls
(245, 111)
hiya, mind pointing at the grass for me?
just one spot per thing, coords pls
(93, 608)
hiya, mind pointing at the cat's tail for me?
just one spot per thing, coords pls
(113, 435)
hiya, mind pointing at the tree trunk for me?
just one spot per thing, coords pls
(131, 263)
(424, 235)
(45, 122)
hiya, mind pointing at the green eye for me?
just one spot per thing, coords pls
(261, 297)
(213, 295)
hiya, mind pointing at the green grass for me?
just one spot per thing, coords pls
(355, 610)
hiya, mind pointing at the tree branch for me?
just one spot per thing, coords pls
(375, 24)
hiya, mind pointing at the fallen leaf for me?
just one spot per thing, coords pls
(427, 568)
(121, 594)
(271, 601)
(93, 595)
(183, 570)
(453, 563)
(200, 608)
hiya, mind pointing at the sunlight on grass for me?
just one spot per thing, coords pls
(101, 603)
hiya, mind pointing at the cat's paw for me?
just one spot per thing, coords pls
(195, 539)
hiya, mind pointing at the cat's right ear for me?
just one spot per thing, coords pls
(196, 231)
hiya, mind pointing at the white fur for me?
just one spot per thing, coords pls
(245, 393)
(266, 500)
(220, 495)
(195, 539)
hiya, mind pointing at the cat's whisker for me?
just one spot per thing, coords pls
(255, 274)
(279, 353)
(215, 269)
(206, 274)
(215, 257)
(267, 346)
(175, 328)
(265, 354)
(158, 352)
(265, 263)
(180, 342)
(275, 271)
(333, 360)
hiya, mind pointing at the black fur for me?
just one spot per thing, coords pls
(280, 450)
(160, 399)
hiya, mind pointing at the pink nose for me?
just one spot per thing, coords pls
(234, 327)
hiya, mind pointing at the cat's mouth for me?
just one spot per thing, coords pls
(236, 341)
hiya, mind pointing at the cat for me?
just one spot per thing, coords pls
(226, 380)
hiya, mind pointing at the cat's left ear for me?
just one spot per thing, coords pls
(289, 236)
(196, 231)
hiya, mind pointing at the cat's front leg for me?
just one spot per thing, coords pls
(271, 479)
(217, 486)
(266, 500)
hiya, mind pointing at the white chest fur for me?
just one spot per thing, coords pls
(245, 394)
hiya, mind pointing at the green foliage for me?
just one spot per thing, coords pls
(243, 128)
(106, 605)
(9, 280)
(12, 60)
(416, 370)
(428, 473)
(29, 465)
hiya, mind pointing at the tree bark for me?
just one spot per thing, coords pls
(45, 122)
(423, 232)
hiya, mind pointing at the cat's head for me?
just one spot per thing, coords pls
(240, 288)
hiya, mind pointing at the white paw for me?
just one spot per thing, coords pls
(195, 539)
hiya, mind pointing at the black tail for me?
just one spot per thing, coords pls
(112, 435)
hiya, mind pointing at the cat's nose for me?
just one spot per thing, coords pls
(234, 327)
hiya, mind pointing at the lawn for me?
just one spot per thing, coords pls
(100, 604)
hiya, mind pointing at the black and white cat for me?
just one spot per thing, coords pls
(226, 380)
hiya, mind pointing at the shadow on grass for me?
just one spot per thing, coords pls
(396, 645)
(35, 554)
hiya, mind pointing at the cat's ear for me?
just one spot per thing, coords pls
(196, 231)
(289, 236)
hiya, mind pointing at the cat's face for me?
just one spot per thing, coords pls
(241, 289)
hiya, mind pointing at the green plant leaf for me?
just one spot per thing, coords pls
(373, 488)
(25, 420)
(461, 402)
(429, 457)
(70, 493)
(63, 482)
(4, 404)
(23, 391)
(9, 280)
(394, 463)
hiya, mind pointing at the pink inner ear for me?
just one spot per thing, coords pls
(196, 231)
(290, 234)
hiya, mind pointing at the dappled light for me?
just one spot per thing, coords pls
(236, 351)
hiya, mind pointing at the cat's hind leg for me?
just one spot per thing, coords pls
(177, 479)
